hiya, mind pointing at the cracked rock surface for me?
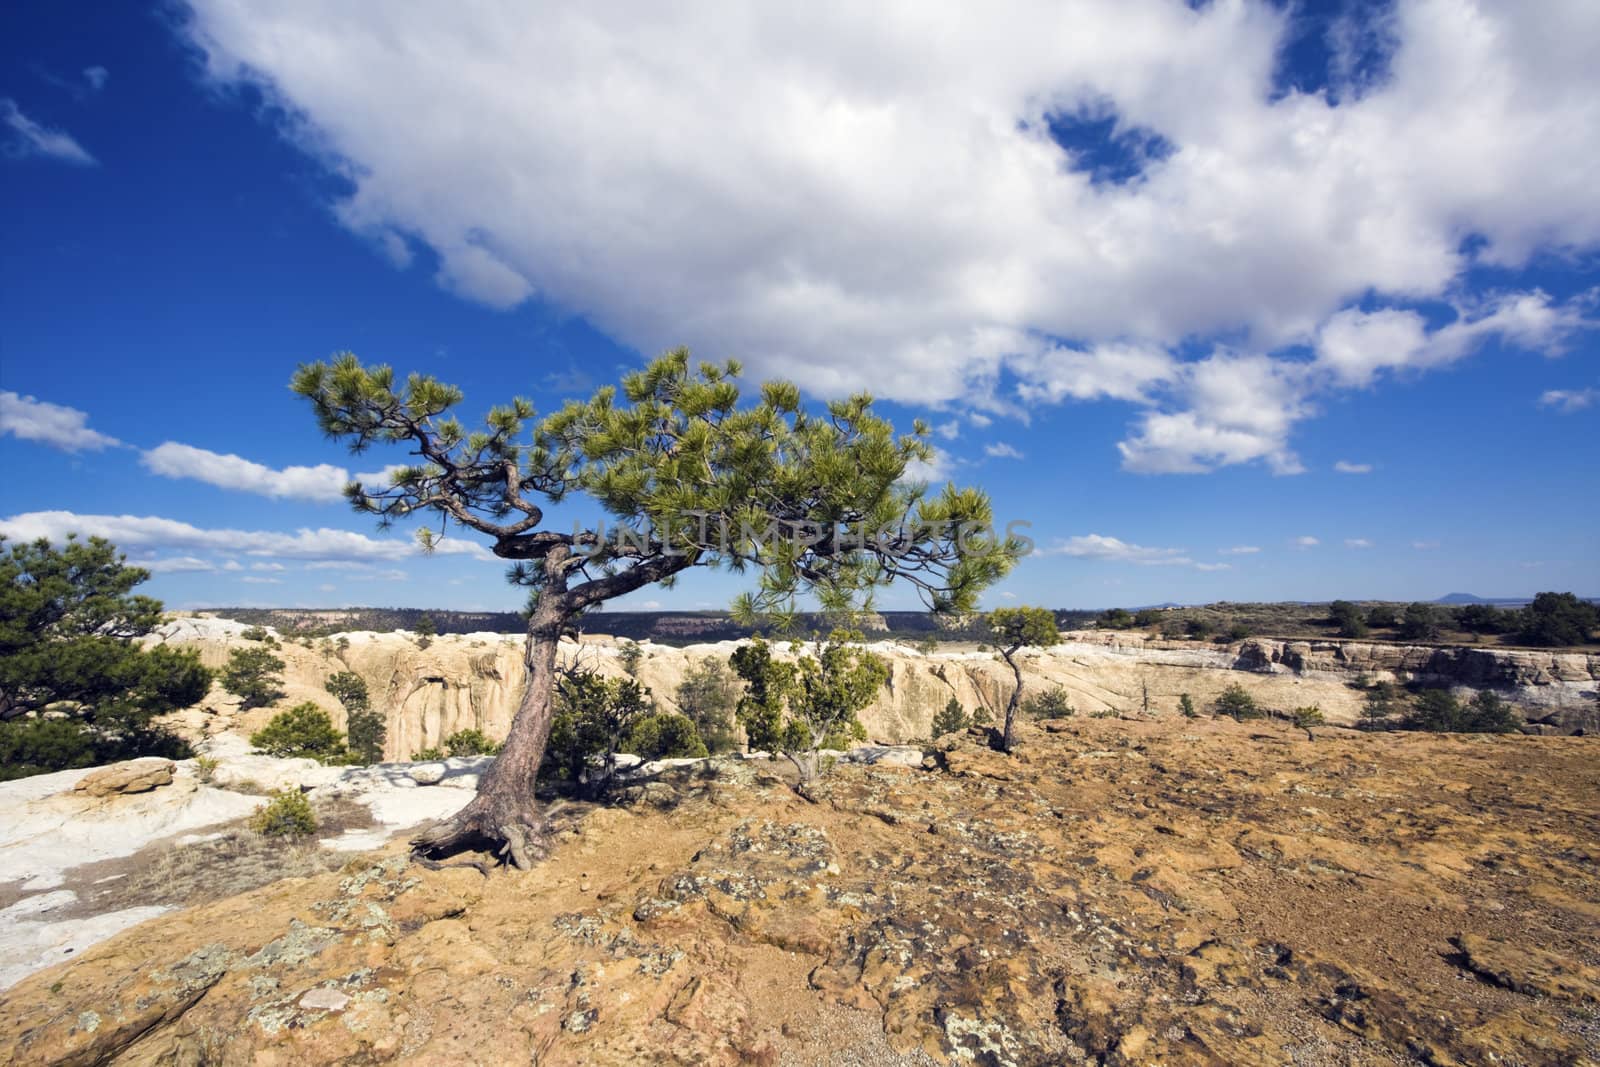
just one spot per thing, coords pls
(1178, 891)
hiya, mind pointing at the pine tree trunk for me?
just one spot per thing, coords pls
(1006, 739)
(504, 814)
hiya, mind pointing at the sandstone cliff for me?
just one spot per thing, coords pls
(475, 680)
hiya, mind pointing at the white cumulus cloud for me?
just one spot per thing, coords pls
(324, 482)
(868, 196)
(50, 424)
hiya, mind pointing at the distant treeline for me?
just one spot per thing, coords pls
(1549, 620)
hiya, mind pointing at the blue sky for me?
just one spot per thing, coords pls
(1175, 281)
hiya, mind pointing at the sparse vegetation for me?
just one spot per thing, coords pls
(952, 718)
(365, 729)
(426, 630)
(254, 675)
(1377, 712)
(1438, 711)
(1236, 703)
(304, 731)
(430, 754)
(1307, 717)
(593, 717)
(75, 689)
(471, 742)
(709, 696)
(1186, 706)
(205, 768)
(664, 735)
(287, 814)
(800, 707)
(1555, 619)
(630, 655)
(1421, 622)
(1347, 618)
(1053, 703)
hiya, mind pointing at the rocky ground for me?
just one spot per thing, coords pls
(1181, 891)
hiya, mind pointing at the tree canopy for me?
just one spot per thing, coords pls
(75, 688)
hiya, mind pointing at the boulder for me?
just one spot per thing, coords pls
(134, 776)
(427, 773)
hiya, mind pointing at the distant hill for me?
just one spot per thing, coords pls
(1473, 598)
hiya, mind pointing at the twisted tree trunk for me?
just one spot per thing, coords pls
(504, 813)
(1006, 738)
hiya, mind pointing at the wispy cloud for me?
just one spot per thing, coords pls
(1423, 546)
(50, 424)
(1001, 450)
(1357, 542)
(1101, 547)
(152, 533)
(28, 138)
(1346, 467)
(1568, 401)
(1306, 542)
(177, 565)
(1239, 550)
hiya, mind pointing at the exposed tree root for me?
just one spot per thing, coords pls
(517, 838)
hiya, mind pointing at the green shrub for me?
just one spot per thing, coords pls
(1050, 704)
(1556, 619)
(709, 696)
(1488, 714)
(77, 687)
(1186, 706)
(1307, 717)
(305, 730)
(254, 674)
(258, 634)
(205, 768)
(1383, 617)
(1379, 707)
(1422, 622)
(38, 745)
(287, 814)
(1237, 704)
(427, 755)
(952, 719)
(1238, 632)
(1104, 713)
(664, 735)
(471, 743)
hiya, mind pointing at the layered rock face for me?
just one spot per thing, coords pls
(1117, 892)
(474, 681)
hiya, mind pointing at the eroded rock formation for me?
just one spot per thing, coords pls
(473, 681)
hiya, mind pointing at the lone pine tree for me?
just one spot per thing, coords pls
(811, 504)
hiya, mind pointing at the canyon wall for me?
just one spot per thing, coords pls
(469, 681)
